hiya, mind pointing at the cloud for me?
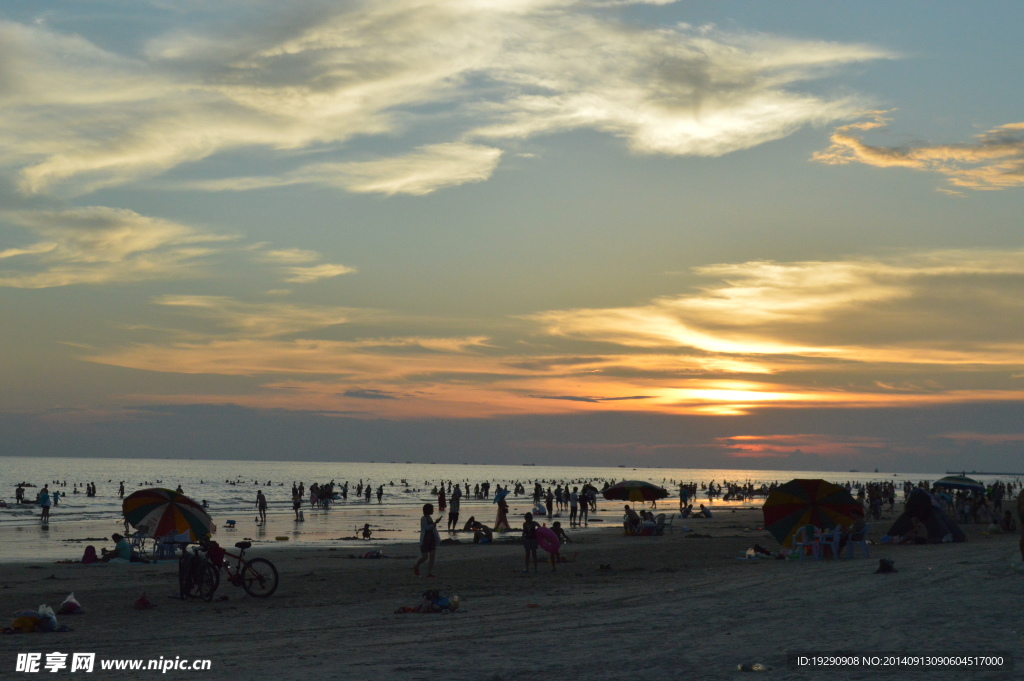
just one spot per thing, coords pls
(98, 245)
(436, 77)
(943, 307)
(421, 172)
(995, 161)
(261, 320)
(781, 446)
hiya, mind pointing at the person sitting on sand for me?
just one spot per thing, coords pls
(632, 520)
(472, 524)
(367, 531)
(704, 511)
(686, 512)
(122, 552)
(917, 533)
(530, 541)
(483, 535)
(856, 530)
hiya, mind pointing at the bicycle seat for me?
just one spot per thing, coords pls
(243, 545)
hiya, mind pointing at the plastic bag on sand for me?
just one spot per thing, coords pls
(49, 619)
(42, 619)
(70, 606)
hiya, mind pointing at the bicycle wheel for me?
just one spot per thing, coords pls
(207, 581)
(259, 577)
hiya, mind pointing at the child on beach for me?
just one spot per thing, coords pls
(367, 532)
(530, 541)
(429, 539)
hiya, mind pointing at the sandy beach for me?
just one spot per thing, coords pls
(677, 606)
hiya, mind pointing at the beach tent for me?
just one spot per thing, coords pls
(930, 511)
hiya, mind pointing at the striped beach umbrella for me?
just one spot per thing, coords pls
(634, 490)
(807, 502)
(166, 512)
(960, 482)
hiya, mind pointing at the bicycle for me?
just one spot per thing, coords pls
(197, 577)
(257, 576)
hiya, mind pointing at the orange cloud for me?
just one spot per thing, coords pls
(995, 161)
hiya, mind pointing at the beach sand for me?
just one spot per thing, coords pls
(676, 607)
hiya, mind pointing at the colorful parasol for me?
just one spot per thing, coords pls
(166, 512)
(960, 482)
(499, 495)
(634, 490)
(802, 502)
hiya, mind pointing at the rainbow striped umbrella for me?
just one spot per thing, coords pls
(802, 502)
(166, 512)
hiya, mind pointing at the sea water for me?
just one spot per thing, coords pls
(229, 487)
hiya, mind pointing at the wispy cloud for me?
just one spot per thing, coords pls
(421, 172)
(260, 320)
(945, 307)
(78, 117)
(994, 161)
(98, 245)
(779, 446)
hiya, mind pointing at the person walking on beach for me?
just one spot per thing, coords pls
(120, 490)
(296, 501)
(530, 542)
(453, 509)
(261, 506)
(429, 539)
(501, 521)
(44, 502)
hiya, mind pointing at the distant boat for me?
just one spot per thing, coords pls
(854, 470)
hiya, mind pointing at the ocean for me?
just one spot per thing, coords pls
(230, 489)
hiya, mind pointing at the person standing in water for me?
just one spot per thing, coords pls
(261, 506)
(44, 502)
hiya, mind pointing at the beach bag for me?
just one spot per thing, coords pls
(26, 621)
(70, 606)
(216, 554)
(90, 555)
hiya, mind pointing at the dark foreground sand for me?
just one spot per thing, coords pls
(674, 607)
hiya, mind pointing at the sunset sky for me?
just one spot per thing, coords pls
(698, 233)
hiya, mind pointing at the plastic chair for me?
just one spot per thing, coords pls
(804, 540)
(138, 540)
(829, 540)
(855, 540)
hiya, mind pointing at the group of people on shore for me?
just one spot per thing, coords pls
(430, 539)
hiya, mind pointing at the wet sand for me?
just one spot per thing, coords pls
(676, 606)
